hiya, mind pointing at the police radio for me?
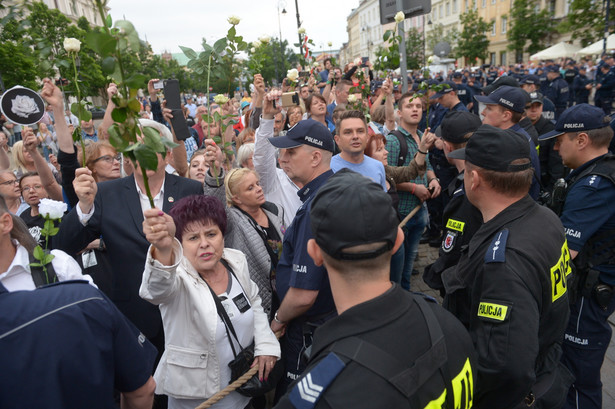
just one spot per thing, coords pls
(558, 196)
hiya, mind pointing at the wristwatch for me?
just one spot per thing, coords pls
(275, 318)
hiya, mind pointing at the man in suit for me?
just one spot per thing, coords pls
(114, 210)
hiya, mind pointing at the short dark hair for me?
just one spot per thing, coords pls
(198, 209)
(405, 95)
(19, 231)
(601, 137)
(515, 116)
(27, 175)
(326, 59)
(350, 114)
(507, 183)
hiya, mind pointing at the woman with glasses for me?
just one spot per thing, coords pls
(103, 160)
(9, 188)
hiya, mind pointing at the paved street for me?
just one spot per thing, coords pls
(428, 255)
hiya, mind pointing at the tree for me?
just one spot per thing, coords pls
(267, 57)
(437, 35)
(528, 24)
(473, 41)
(17, 62)
(415, 47)
(586, 20)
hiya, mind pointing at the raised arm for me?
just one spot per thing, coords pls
(257, 101)
(180, 155)
(389, 108)
(53, 95)
(42, 167)
(107, 120)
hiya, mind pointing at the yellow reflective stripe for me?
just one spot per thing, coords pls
(455, 225)
(559, 272)
(437, 403)
(463, 387)
(463, 390)
(493, 311)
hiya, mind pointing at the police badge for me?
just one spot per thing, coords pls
(449, 241)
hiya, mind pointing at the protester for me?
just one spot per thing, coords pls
(187, 266)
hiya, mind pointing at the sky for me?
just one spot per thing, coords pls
(169, 24)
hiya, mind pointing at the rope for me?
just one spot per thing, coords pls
(410, 215)
(232, 386)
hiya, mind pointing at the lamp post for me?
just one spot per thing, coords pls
(424, 41)
(606, 25)
(298, 24)
(281, 5)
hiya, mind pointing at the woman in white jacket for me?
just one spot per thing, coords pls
(185, 263)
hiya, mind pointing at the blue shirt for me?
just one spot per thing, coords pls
(296, 268)
(589, 210)
(370, 168)
(67, 346)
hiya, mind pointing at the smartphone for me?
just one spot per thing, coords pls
(364, 61)
(287, 99)
(159, 84)
(178, 122)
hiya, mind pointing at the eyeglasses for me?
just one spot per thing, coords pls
(109, 158)
(28, 188)
(9, 182)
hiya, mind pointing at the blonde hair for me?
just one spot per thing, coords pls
(18, 157)
(93, 151)
(232, 180)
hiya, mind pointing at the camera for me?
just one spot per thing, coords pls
(287, 99)
(159, 84)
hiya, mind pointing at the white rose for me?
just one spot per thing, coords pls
(329, 43)
(24, 106)
(234, 20)
(430, 59)
(316, 64)
(358, 61)
(256, 44)
(252, 50)
(399, 17)
(72, 45)
(220, 99)
(352, 98)
(301, 30)
(52, 209)
(292, 74)
(264, 39)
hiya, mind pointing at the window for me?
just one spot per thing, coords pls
(503, 58)
(466, 5)
(492, 1)
(493, 28)
(448, 8)
(441, 12)
(492, 58)
(454, 6)
(484, 4)
(504, 24)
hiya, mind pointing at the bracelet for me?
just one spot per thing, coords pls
(413, 188)
(275, 318)
(429, 181)
(420, 151)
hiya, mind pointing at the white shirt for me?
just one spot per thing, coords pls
(19, 277)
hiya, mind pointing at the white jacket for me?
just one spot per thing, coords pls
(189, 367)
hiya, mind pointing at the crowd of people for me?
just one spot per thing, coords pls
(299, 215)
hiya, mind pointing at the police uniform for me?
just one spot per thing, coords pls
(398, 350)
(510, 290)
(461, 221)
(464, 94)
(581, 94)
(297, 269)
(569, 76)
(557, 91)
(66, 345)
(588, 217)
(604, 94)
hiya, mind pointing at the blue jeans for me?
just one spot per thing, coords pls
(412, 231)
(397, 264)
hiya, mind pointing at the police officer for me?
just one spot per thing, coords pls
(581, 86)
(388, 348)
(531, 83)
(588, 215)
(509, 287)
(569, 76)
(605, 88)
(460, 218)
(302, 286)
(463, 91)
(557, 90)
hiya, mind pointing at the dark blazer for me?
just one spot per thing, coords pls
(118, 218)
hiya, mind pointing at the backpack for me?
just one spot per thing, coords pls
(403, 147)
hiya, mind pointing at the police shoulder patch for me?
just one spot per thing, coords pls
(496, 253)
(494, 311)
(310, 387)
(592, 181)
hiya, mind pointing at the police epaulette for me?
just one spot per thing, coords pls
(307, 391)
(496, 253)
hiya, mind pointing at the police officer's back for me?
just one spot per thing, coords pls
(557, 90)
(510, 286)
(388, 348)
(582, 86)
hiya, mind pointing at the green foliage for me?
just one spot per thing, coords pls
(437, 35)
(415, 56)
(585, 20)
(473, 41)
(268, 57)
(526, 24)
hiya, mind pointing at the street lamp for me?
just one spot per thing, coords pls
(281, 5)
(424, 42)
(298, 24)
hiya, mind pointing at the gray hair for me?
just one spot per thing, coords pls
(245, 152)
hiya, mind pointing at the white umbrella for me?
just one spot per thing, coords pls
(559, 50)
(596, 48)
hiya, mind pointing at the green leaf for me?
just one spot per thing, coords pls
(134, 105)
(101, 42)
(217, 116)
(127, 30)
(48, 225)
(206, 49)
(109, 21)
(220, 45)
(169, 144)
(77, 134)
(108, 65)
(38, 253)
(48, 258)
(207, 118)
(80, 112)
(136, 81)
(119, 114)
(387, 35)
(153, 139)
(53, 231)
(63, 63)
(146, 157)
(231, 32)
(189, 52)
(36, 265)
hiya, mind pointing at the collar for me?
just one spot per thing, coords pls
(573, 174)
(516, 210)
(20, 263)
(143, 196)
(372, 314)
(312, 187)
(408, 134)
